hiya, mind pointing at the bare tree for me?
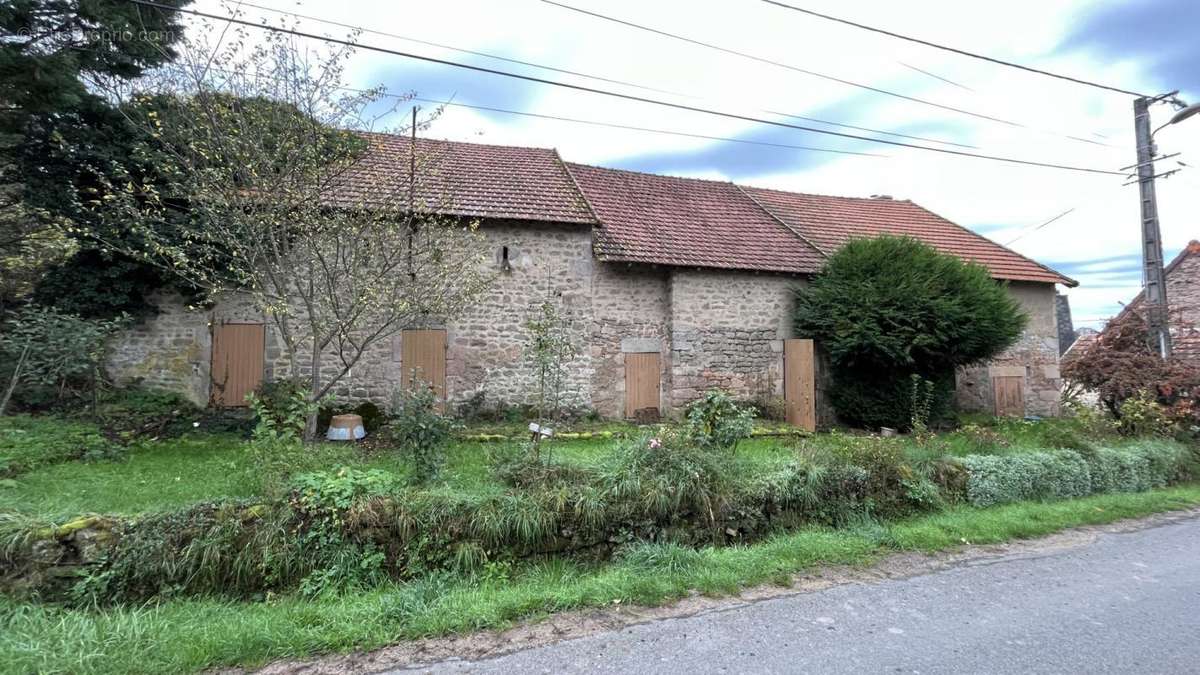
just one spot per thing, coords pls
(259, 175)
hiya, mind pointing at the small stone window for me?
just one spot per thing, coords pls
(506, 258)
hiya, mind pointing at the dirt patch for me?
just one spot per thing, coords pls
(582, 623)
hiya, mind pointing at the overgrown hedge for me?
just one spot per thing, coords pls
(353, 528)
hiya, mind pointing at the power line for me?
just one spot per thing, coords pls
(1020, 236)
(936, 77)
(805, 71)
(591, 77)
(628, 97)
(460, 50)
(614, 125)
(954, 50)
(559, 118)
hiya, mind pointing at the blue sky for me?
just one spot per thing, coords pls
(1142, 45)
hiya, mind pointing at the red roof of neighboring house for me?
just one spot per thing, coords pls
(828, 222)
(649, 218)
(466, 179)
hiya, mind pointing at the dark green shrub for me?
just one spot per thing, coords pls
(421, 431)
(716, 421)
(887, 308)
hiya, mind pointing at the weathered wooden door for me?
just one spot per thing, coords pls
(1009, 394)
(800, 383)
(237, 362)
(643, 381)
(423, 359)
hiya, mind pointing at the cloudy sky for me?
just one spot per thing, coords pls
(1141, 45)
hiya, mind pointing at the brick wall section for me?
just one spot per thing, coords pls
(1035, 356)
(727, 331)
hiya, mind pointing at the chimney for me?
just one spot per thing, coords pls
(887, 197)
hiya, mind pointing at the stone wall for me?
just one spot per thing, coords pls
(727, 331)
(631, 309)
(1034, 356)
(484, 347)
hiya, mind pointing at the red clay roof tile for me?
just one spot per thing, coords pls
(467, 179)
(649, 218)
(828, 222)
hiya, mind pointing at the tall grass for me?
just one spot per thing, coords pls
(195, 634)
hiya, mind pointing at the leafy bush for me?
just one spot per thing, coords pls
(47, 354)
(421, 431)
(281, 409)
(1142, 415)
(887, 308)
(30, 442)
(716, 421)
(1121, 364)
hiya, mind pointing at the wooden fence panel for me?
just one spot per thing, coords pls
(237, 362)
(643, 382)
(800, 383)
(423, 354)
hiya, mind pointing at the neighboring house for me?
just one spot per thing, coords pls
(1066, 327)
(672, 285)
(1183, 300)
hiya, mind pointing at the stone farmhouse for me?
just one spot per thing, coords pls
(672, 285)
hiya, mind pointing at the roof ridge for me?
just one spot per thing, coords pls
(821, 195)
(400, 137)
(649, 173)
(781, 221)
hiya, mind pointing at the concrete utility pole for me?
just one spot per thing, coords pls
(1153, 278)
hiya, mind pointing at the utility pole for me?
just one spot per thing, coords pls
(1153, 278)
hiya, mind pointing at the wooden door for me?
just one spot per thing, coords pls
(800, 383)
(237, 362)
(1009, 394)
(643, 382)
(423, 357)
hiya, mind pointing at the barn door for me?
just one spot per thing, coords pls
(1009, 393)
(423, 357)
(237, 362)
(642, 383)
(800, 383)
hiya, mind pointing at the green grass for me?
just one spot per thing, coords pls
(160, 475)
(195, 634)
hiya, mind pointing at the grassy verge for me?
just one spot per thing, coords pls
(189, 635)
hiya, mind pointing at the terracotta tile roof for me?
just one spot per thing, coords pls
(467, 179)
(828, 222)
(648, 218)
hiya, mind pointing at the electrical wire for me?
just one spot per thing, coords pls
(1031, 230)
(628, 97)
(954, 50)
(779, 64)
(576, 73)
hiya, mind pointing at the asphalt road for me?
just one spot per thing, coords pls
(1123, 603)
